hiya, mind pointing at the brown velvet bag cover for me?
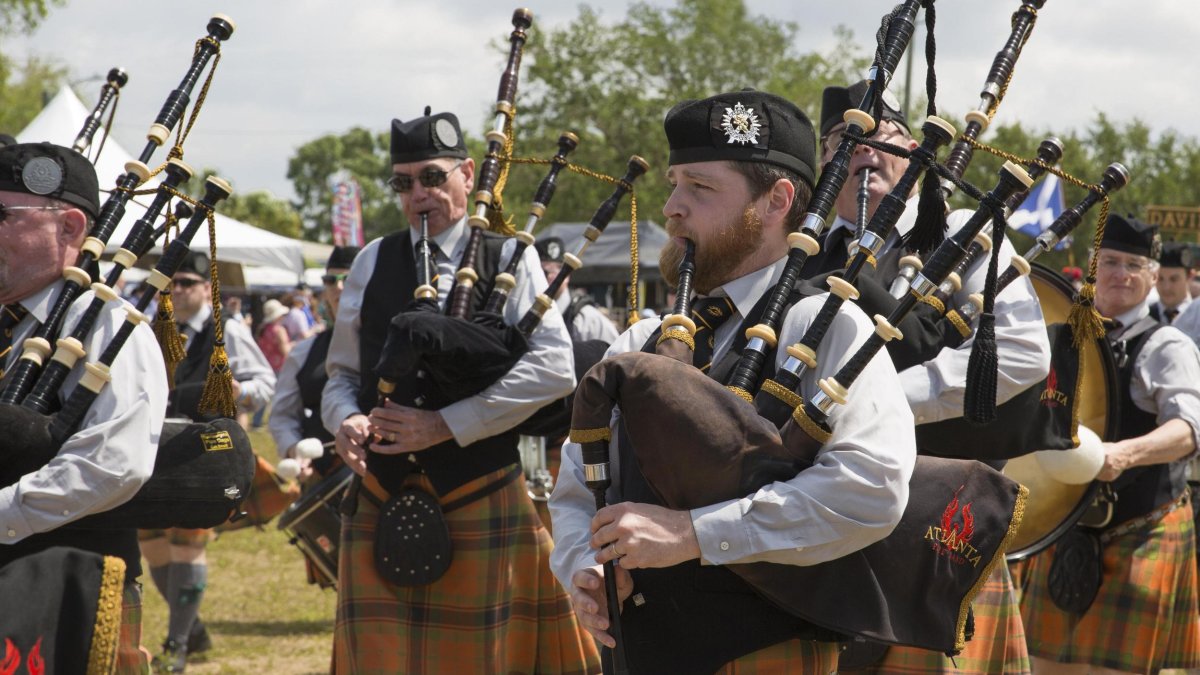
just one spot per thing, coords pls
(697, 444)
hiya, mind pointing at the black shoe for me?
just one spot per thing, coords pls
(198, 638)
(172, 660)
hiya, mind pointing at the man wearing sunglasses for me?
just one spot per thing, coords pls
(49, 199)
(495, 608)
(177, 556)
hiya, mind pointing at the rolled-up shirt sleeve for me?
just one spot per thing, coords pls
(1166, 378)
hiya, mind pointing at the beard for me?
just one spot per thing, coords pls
(718, 256)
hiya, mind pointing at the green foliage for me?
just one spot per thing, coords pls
(364, 154)
(612, 84)
(23, 87)
(1164, 169)
(17, 16)
(263, 210)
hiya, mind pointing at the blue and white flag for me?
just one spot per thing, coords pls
(1041, 207)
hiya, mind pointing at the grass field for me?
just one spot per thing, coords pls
(263, 615)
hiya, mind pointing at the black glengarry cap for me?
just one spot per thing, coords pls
(743, 126)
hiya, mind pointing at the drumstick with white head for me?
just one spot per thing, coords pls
(306, 449)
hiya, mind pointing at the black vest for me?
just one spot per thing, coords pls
(696, 617)
(389, 291)
(311, 379)
(190, 375)
(1141, 489)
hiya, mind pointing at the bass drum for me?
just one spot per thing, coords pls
(1053, 507)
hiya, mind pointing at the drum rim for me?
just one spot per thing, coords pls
(1112, 413)
(314, 498)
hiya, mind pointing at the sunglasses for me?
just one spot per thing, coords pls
(186, 282)
(6, 210)
(331, 279)
(430, 177)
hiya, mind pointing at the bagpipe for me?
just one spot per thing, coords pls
(109, 94)
(915, 586)
(202, 471)
(462, 350)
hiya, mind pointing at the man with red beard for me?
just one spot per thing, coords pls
(742, 169)
(934, 384)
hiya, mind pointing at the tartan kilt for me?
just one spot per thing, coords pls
(131, 658)
(794, 657)
(497, 609)
(998, 645)
(1145, 616)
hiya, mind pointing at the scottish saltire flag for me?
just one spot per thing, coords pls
(1039, 210)
(346, 210)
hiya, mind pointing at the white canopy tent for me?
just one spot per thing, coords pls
(237, 242)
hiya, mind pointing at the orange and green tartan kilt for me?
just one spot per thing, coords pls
(1145, 616)
(497, 609)
(793, 657)
(131, 658)
(998, 645)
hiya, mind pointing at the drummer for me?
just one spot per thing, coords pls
(296, 408)
(1143, 617)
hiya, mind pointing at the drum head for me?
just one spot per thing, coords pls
(1052, 507)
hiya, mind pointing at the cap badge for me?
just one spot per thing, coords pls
(444, 132)
(42, 175)
(553, 250)
(1156, 246)
(740, 124)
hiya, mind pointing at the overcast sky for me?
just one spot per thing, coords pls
(299, 69)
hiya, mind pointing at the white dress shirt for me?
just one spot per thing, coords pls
(589, 323)
(542, 374)
(287, 410)
(852, 497)
(1166, 374)
(935, 389)
(102, 465)
(1189, 322)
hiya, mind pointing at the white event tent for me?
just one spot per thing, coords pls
(237, 242)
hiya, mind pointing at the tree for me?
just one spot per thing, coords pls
(22, 96)
(18, 16)
(612, 84)
(1164, 169)
(259, 208)
(364, 154)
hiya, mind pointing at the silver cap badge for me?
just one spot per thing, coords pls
(740, 124)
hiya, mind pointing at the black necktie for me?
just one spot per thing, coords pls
(709, 314)
(433, 261)
(1170, 314)
(10, 316)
